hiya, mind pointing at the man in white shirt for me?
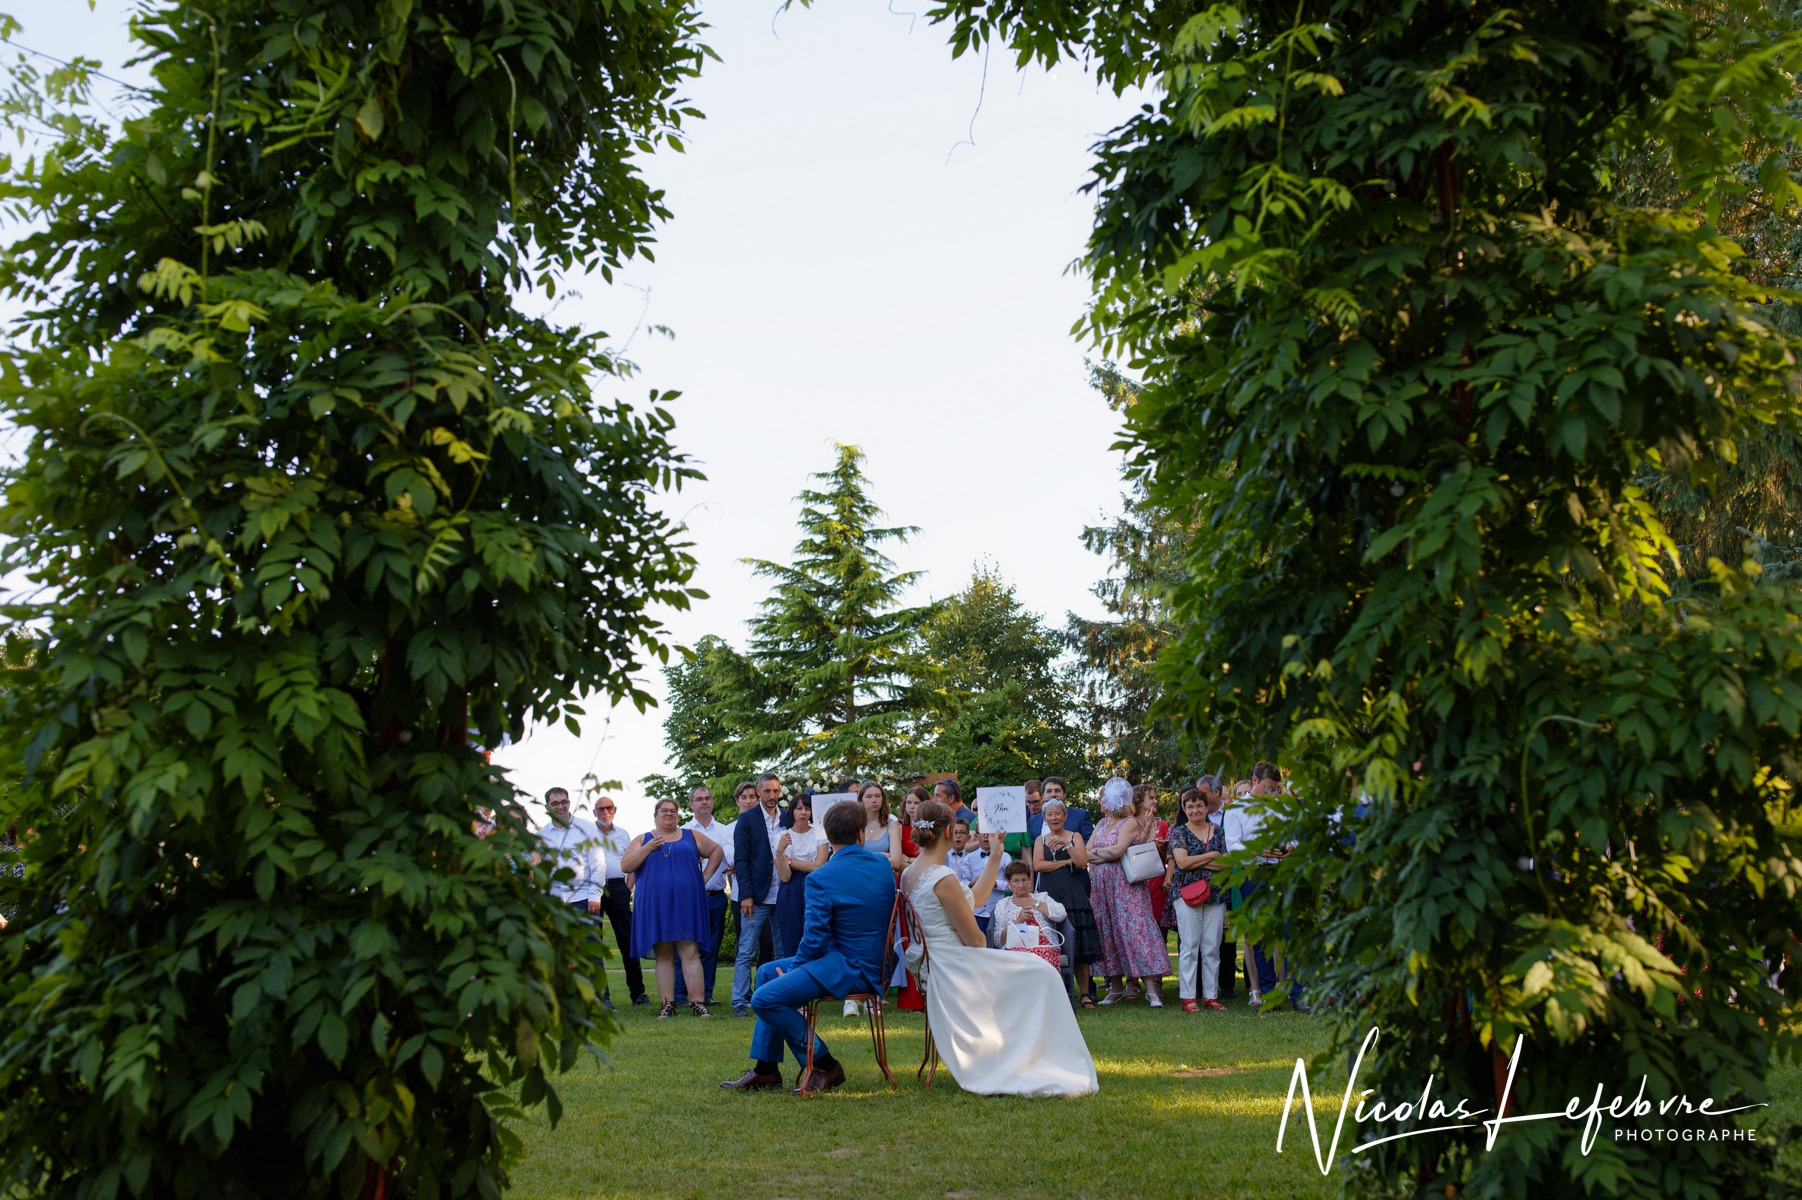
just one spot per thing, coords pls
(616, 894)
(579, 844)
(968, 859)
(718, 890)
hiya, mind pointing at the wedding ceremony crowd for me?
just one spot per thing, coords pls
(1101, 896)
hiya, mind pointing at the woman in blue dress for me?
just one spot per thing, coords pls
(801, 850)
(669, 903)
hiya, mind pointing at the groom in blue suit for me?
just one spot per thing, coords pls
(844, 937)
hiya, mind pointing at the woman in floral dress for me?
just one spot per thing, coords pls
(1131, 942)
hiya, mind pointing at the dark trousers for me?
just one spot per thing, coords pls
(717, 903)
(1229, 958)
(616, 906)
(1260, 971)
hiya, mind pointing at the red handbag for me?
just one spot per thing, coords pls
(1198, 893)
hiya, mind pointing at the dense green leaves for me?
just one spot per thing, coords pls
(1410, 369)
(311, 507)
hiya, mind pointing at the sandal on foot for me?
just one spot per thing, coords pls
(1191, 1006)
(698, 1009)
(1086, 1000)
(1154, 1000)
(667, 1011)
(1213, 1006)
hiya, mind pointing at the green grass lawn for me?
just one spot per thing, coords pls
(1188, 1106)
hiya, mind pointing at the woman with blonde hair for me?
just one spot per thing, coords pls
(1131, 943)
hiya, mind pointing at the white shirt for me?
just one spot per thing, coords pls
(611, 844)
(1243, 820)
(969, 864)
(772, 823)
(721, 833)
(574, 846)
(804, 847)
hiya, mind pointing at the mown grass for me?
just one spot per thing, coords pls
(656, 1124)
(1188, 1106)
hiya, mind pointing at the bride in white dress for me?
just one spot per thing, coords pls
(1000, 1019)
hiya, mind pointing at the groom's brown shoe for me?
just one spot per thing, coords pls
(751, 1081)
(821, 1081)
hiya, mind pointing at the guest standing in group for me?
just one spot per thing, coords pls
(1215, 789)
(669, 918)
(1131, 943)
(1195, 845)
(801, 849)
(1061, 860)
(882, 834)
(1019, 845)
(616, 891)
(1076, 820)
(948, 793)
(968, 858)
(719, 889)
(578, 844)
(754, 838)
(910, 807)
(1156, 831)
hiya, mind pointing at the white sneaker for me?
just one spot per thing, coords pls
(851, 1008)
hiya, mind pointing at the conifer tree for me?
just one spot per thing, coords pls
(834, 676)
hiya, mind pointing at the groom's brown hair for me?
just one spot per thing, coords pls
(843, 822)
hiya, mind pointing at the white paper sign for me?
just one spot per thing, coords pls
(1003, 809)
(826, 800)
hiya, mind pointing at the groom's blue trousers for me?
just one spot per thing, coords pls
(782, 989)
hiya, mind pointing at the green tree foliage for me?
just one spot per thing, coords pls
(311, 505)
(1752, 504)
(834, 674)
(1146, 549)
(1004, 707)
(1405, 361)
(696, 735)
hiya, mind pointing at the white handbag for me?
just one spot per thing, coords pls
(1142, 862)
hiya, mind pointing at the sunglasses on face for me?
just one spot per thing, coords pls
(605, 808)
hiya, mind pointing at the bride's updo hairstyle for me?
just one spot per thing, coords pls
(932, 821)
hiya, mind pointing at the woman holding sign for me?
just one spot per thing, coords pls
(1036, 1049)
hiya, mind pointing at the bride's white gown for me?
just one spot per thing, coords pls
(1001, 1019)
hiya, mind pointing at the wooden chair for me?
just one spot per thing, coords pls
(917, 937)
(872, 1002)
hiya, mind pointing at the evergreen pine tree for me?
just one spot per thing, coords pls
(840, 661)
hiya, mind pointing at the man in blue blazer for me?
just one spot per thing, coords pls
(844, 941)
(1076, 820)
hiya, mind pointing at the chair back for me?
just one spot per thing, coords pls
(888, 943)
(916, 935)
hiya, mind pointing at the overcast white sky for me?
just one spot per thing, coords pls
(841, 268)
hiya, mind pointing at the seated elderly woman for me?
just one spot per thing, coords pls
(1023, 906)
